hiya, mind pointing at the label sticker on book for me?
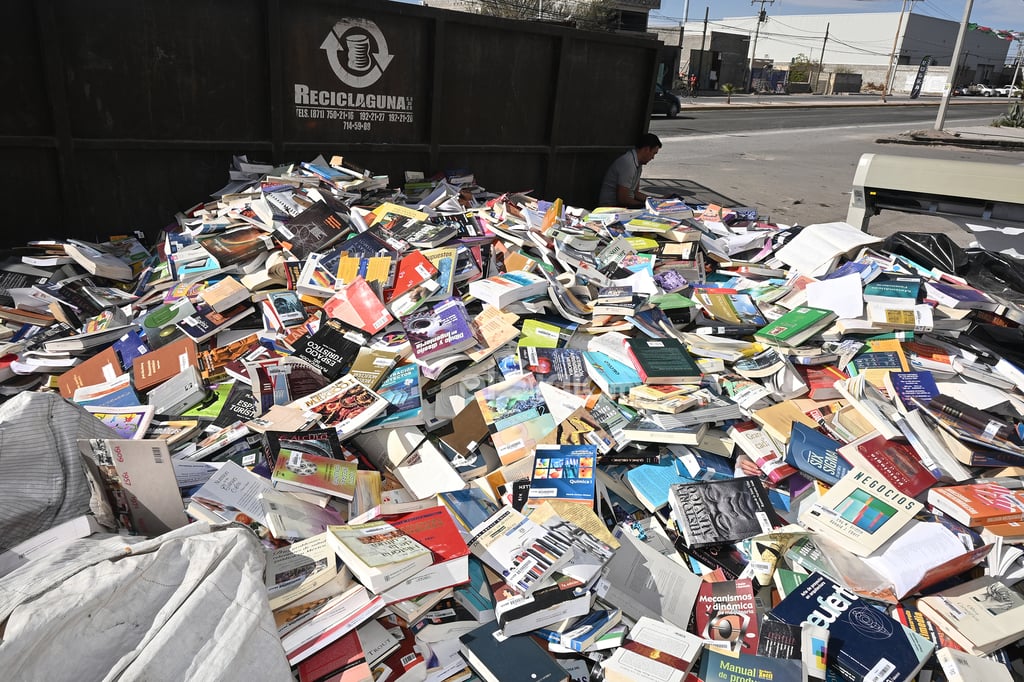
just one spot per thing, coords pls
(880, 671)
(991, 429)
(108, 372)
(763, 521)
(655, 344)
(183, 362)
(285, 232)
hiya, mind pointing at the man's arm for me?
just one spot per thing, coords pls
(626, 197)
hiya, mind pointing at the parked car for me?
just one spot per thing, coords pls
(665, 102)
(1008, 91)
(985, 91)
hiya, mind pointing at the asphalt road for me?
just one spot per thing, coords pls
(697, 120)
(796, 166)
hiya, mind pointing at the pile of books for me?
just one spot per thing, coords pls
(496, 437)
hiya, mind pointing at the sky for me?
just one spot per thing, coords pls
(996, 14)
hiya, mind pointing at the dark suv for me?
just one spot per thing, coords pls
(665, 102)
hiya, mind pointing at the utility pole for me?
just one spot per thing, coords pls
(890, 74)
(762, 16)
(1020, 58)
(700, 58)
(940, 118)
(821, 60)
(680, 46)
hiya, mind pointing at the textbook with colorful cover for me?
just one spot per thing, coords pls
(316, 473)
(865, 642)
(861, 512)
(439, 330)
(563, 473)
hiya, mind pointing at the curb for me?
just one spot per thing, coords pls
(951, 140)
(815, 105)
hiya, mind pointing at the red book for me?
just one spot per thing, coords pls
(433, 528)
(894, 461)
(340, 661)
(726, 614)
(357, 305)
(413, 270)
(978, 504)
(820, 380)
(405, 663)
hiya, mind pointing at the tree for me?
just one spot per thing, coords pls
(586, 14)
(728, 89)
(800, 68)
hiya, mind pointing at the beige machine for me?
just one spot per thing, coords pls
(982, 197)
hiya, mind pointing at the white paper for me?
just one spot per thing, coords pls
(842, 295)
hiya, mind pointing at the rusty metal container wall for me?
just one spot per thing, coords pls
(122, 113)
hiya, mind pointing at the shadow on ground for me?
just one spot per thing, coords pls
(688, 189)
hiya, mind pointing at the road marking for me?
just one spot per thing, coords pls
(803, 131)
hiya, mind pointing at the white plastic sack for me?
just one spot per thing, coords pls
(188, 605)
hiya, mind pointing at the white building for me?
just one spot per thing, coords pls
(863, 43)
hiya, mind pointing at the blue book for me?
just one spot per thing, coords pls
(612, 376)
(864, 641)
(908, 385)
(816, 454)
(703, 466)
(129, 347)
(565, 473)
(475, 596)
(401, 388)
(650, 482)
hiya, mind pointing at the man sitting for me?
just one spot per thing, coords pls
(621, 185)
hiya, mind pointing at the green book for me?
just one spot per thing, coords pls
(663, 361)
(795, 327)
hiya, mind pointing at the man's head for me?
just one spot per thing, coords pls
(647, 148)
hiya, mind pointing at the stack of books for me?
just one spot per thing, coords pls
(494, 435)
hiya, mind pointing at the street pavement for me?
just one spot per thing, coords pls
(964, 136)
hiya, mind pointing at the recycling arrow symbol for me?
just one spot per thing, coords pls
(357, 52)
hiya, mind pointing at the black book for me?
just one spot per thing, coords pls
(423, 235)
(332, 349)
(715, 512)
(314, 229)
(320, 442)
(516, 659)
(374, 242)
(239, 406)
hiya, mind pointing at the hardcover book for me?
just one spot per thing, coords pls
(864, 642)
(795, 327)
(861, 512)
(516, 659)
(662, 361)
(892, 460)
(714, 512)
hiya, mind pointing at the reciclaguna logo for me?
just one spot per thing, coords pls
(358, 54)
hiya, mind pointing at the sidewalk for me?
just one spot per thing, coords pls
(966, 136)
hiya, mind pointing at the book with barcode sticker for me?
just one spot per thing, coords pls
(138, 478)
(713, 512)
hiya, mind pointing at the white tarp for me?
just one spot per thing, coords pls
(188, 605)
